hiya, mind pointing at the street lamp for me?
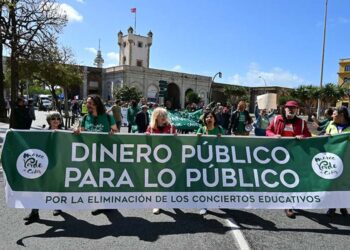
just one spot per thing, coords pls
(263, 80)
(211, 83)
(322, 62)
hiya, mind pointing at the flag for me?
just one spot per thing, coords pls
(133, 10)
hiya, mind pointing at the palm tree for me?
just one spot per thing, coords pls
(307, 96)
(331, 93)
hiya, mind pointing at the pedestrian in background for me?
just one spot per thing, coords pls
(240, 121)
(131, 115)
(117, 114)
(322, 125)
(20, 115)
(142, 119)
(7, 107)
(262, 120)
(84, 110)
(31, 113)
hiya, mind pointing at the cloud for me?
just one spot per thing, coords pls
(80, 1)
(72, 14)
(92, 50)
(274, 77)
(113, 56)
(334, 21)
(112, 59)
(342, 20)
(177, 68)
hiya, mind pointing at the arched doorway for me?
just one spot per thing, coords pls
(152, 94)
(188, 91)
(174, 96)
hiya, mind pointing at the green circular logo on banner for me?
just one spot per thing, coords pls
(327, 165)
(32, 163)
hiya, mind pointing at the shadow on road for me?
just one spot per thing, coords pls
(185, 223)
(250, 221)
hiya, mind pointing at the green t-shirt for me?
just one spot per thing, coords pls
(215, 131)
(241, 123)
(264, 122)
(101, 123)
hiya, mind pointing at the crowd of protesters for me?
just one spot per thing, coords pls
(216, 120)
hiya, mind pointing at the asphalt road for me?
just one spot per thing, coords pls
(172, 229)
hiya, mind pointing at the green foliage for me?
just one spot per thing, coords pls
(283, 99)
(307, 95)
(331, 93)
(37, 90)
(236, 93)
(192, 97)
(127, 93)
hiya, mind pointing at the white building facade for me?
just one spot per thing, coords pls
(133, 70)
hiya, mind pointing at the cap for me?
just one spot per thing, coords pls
(144, 107)
(291, 104)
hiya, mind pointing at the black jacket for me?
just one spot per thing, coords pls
(142, 121)
(235, 119)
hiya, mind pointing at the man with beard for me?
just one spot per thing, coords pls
(97, 120)
(288, 125)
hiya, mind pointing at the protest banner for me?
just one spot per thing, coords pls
(267, 101)
(61, 170)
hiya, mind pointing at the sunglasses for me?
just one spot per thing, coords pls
(55, 118)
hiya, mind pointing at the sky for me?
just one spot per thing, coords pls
(252, 42)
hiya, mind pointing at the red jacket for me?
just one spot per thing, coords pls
(169, 129)
(276, 127)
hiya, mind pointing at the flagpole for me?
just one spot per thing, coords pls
(135, 22)
(322, 61)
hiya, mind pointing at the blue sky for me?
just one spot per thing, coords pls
(279, 40)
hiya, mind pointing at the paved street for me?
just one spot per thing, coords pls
(172, 229)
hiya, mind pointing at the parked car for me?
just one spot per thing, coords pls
(45, 105)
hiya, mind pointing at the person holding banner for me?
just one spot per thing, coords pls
(288, 125)
(97, 120)
(160, 124)
(211, 127)
(240, 121)
(339, 125)
(55, 122)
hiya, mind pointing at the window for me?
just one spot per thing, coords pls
(124, 59)
(346, 80)
(124, 44)
(139, 44)
(347, 67)
(139, 63)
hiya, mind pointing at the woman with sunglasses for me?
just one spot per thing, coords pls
(55, 122)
